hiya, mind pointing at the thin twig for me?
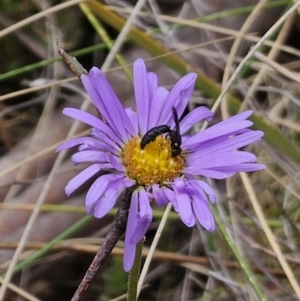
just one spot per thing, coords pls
(116, 230)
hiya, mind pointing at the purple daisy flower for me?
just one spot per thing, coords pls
(115, 144)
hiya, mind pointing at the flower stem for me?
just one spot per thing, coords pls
(134, 273)
(116, 230)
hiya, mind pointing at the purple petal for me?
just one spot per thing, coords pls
(95, 192)
(244, 167)
(184, 203)
(81, 178)
(209, 173)
(99, 135)
(171, 197)
(128, 182)
(216, 131)
(208, 190)
(215, 160)
(95, 144)
(86, 143)
(159, 196)
(134, 120)
(132, 217)
(196, 148)
(90, 84)
(240, 116)
(230, 144)
(108, 198)
(186, 93)
(92, 121)
(107, 102)
(71, 143)
(129, 256)
(115, 109)
(153, 84)
(89, 156)
(99, 186)
(185, 209)
(203, 214)
(180, 185)
(178, 97)
(116, 162)
(194, 117)
(129, 252)
(157, 106)
(141, 90)
(144, 217)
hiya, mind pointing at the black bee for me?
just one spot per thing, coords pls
(175, 136)
(153, 133)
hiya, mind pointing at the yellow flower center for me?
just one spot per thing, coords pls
(154, 163)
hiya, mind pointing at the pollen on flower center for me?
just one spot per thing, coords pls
(154, 163)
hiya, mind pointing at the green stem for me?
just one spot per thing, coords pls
(134, 273)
